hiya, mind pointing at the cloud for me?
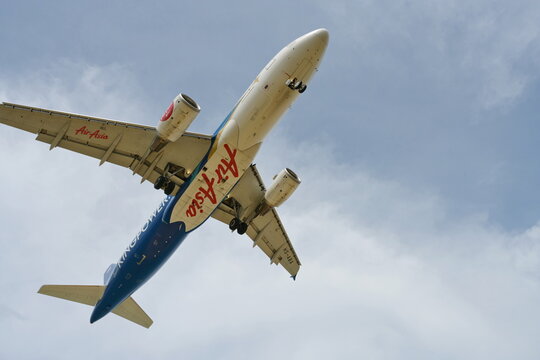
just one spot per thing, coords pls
(437, 94)
(109, 90)
(388, 271)
(484, 49)
(391, 260)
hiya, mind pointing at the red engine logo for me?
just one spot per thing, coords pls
(168, 113)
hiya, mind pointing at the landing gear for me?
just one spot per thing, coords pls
(239, 226)
(233, 225)
(169, 188)
(295, 84)
(242, 228)
(163, 183)
(160, 182)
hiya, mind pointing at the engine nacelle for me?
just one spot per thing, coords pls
(285, 183)
(177, 118)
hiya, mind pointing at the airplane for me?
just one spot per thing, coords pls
(202, 175)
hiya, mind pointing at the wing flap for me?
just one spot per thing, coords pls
(92, 150)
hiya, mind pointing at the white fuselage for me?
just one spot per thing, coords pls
(257, 111)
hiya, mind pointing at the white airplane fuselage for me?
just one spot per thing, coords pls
(234, 146)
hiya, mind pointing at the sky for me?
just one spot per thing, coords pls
(417, 221)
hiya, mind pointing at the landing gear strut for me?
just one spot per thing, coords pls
(295, 84)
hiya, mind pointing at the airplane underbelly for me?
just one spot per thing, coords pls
(268, 98)
(213, 182)
(143, 258)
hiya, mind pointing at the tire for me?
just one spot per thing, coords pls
(302, 89)
(233, 225)
(242, 228)
(160, 181)
(169, 188)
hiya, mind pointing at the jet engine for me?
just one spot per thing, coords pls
(177, 118)
(285, 183)
(173, 124)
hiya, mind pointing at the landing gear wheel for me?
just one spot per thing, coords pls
(242, 228)
(292, 83)
(169, 188)
(302, 89)
(160, 182)
(233, 225)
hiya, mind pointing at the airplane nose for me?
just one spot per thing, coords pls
(317, 38)
(321, 35)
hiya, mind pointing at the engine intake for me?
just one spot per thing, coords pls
(177, 118)
(284, 185)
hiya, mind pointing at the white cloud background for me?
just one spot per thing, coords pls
(402, 255)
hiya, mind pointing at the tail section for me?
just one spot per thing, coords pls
(91, 294)
(109, 274)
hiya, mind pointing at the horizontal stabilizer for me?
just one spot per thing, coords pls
(130, 310)
(91, 294)
(84, 294)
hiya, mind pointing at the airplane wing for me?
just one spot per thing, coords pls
(266, 231)
(120, 143)
(126, 145)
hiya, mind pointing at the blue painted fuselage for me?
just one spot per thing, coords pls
(148, 251)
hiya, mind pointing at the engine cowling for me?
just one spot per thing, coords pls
(177, 118)
(285, 183)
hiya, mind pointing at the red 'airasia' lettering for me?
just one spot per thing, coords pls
(227, 166)
(223, 168)
(209, 193)
(92, 135)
